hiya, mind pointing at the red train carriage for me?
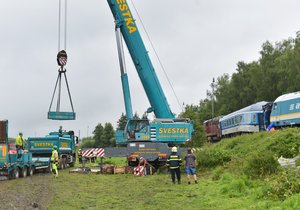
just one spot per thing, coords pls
(212, 129)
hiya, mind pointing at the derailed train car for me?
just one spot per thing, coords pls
(212, 129)
(286, 110)
(283, 112)
(247, 120)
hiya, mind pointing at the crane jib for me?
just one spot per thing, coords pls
(127, 17)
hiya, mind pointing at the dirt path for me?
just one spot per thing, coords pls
(26, 193)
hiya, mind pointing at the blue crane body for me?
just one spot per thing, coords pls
(140, 133)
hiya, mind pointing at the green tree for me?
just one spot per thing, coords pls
(192, 112)
(136, 116)
(98, 135)
(104, 136)
(87, 142)
(122, 122)
(109, 135)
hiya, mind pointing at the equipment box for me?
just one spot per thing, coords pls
(119, 170)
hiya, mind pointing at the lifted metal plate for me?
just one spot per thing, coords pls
(61, 115)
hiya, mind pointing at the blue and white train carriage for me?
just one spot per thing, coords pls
(286, 110)
(247, 120)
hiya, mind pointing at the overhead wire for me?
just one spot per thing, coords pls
(156, 54)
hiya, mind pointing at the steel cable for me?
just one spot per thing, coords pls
(156, 54)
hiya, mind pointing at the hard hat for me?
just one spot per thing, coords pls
(174, 149)
(54, 147)
(79, 149)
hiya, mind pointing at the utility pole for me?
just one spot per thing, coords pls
(213, 98)
(211, 94)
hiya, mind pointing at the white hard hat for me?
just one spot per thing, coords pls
(174, 149)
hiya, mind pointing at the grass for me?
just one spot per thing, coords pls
(92, 191)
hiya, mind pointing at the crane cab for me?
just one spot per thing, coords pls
(137, 129)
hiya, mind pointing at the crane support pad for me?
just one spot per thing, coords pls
(61, 115)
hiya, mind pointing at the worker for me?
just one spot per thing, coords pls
(19, 144)
(54, 161)
(143, 162)
(190, 165)
(60, 131)
(174, 163)
(79, 155)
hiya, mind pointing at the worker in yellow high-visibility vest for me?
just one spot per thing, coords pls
(19, 144)
(54, 161)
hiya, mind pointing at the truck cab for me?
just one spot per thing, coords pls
(65, 142)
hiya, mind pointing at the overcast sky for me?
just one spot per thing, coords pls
(196, 40)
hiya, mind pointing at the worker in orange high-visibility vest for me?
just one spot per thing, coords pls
(54, 161)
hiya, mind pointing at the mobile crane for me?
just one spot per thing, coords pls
(145, 138)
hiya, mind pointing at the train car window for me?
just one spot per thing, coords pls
(274, 106)
(240, 118)
(254, 118)
(247, 118)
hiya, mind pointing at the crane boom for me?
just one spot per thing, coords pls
(126, 23)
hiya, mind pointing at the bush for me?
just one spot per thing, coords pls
(89, 143)
(259, 165)
(234, 186)
(285, 184)
(217, 173)
(286, 145)
(213, 157)
(298, 162)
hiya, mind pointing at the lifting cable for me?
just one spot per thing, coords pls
(61, 61)
(156, 54)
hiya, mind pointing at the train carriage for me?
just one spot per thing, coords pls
(247, 120)
(212, 129)
(286, 110)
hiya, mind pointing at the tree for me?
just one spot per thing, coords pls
(122, 122)
(192, 112)
(136, 116)
(98, 135)
(109, 135)
(104, 136)
(87, 142)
